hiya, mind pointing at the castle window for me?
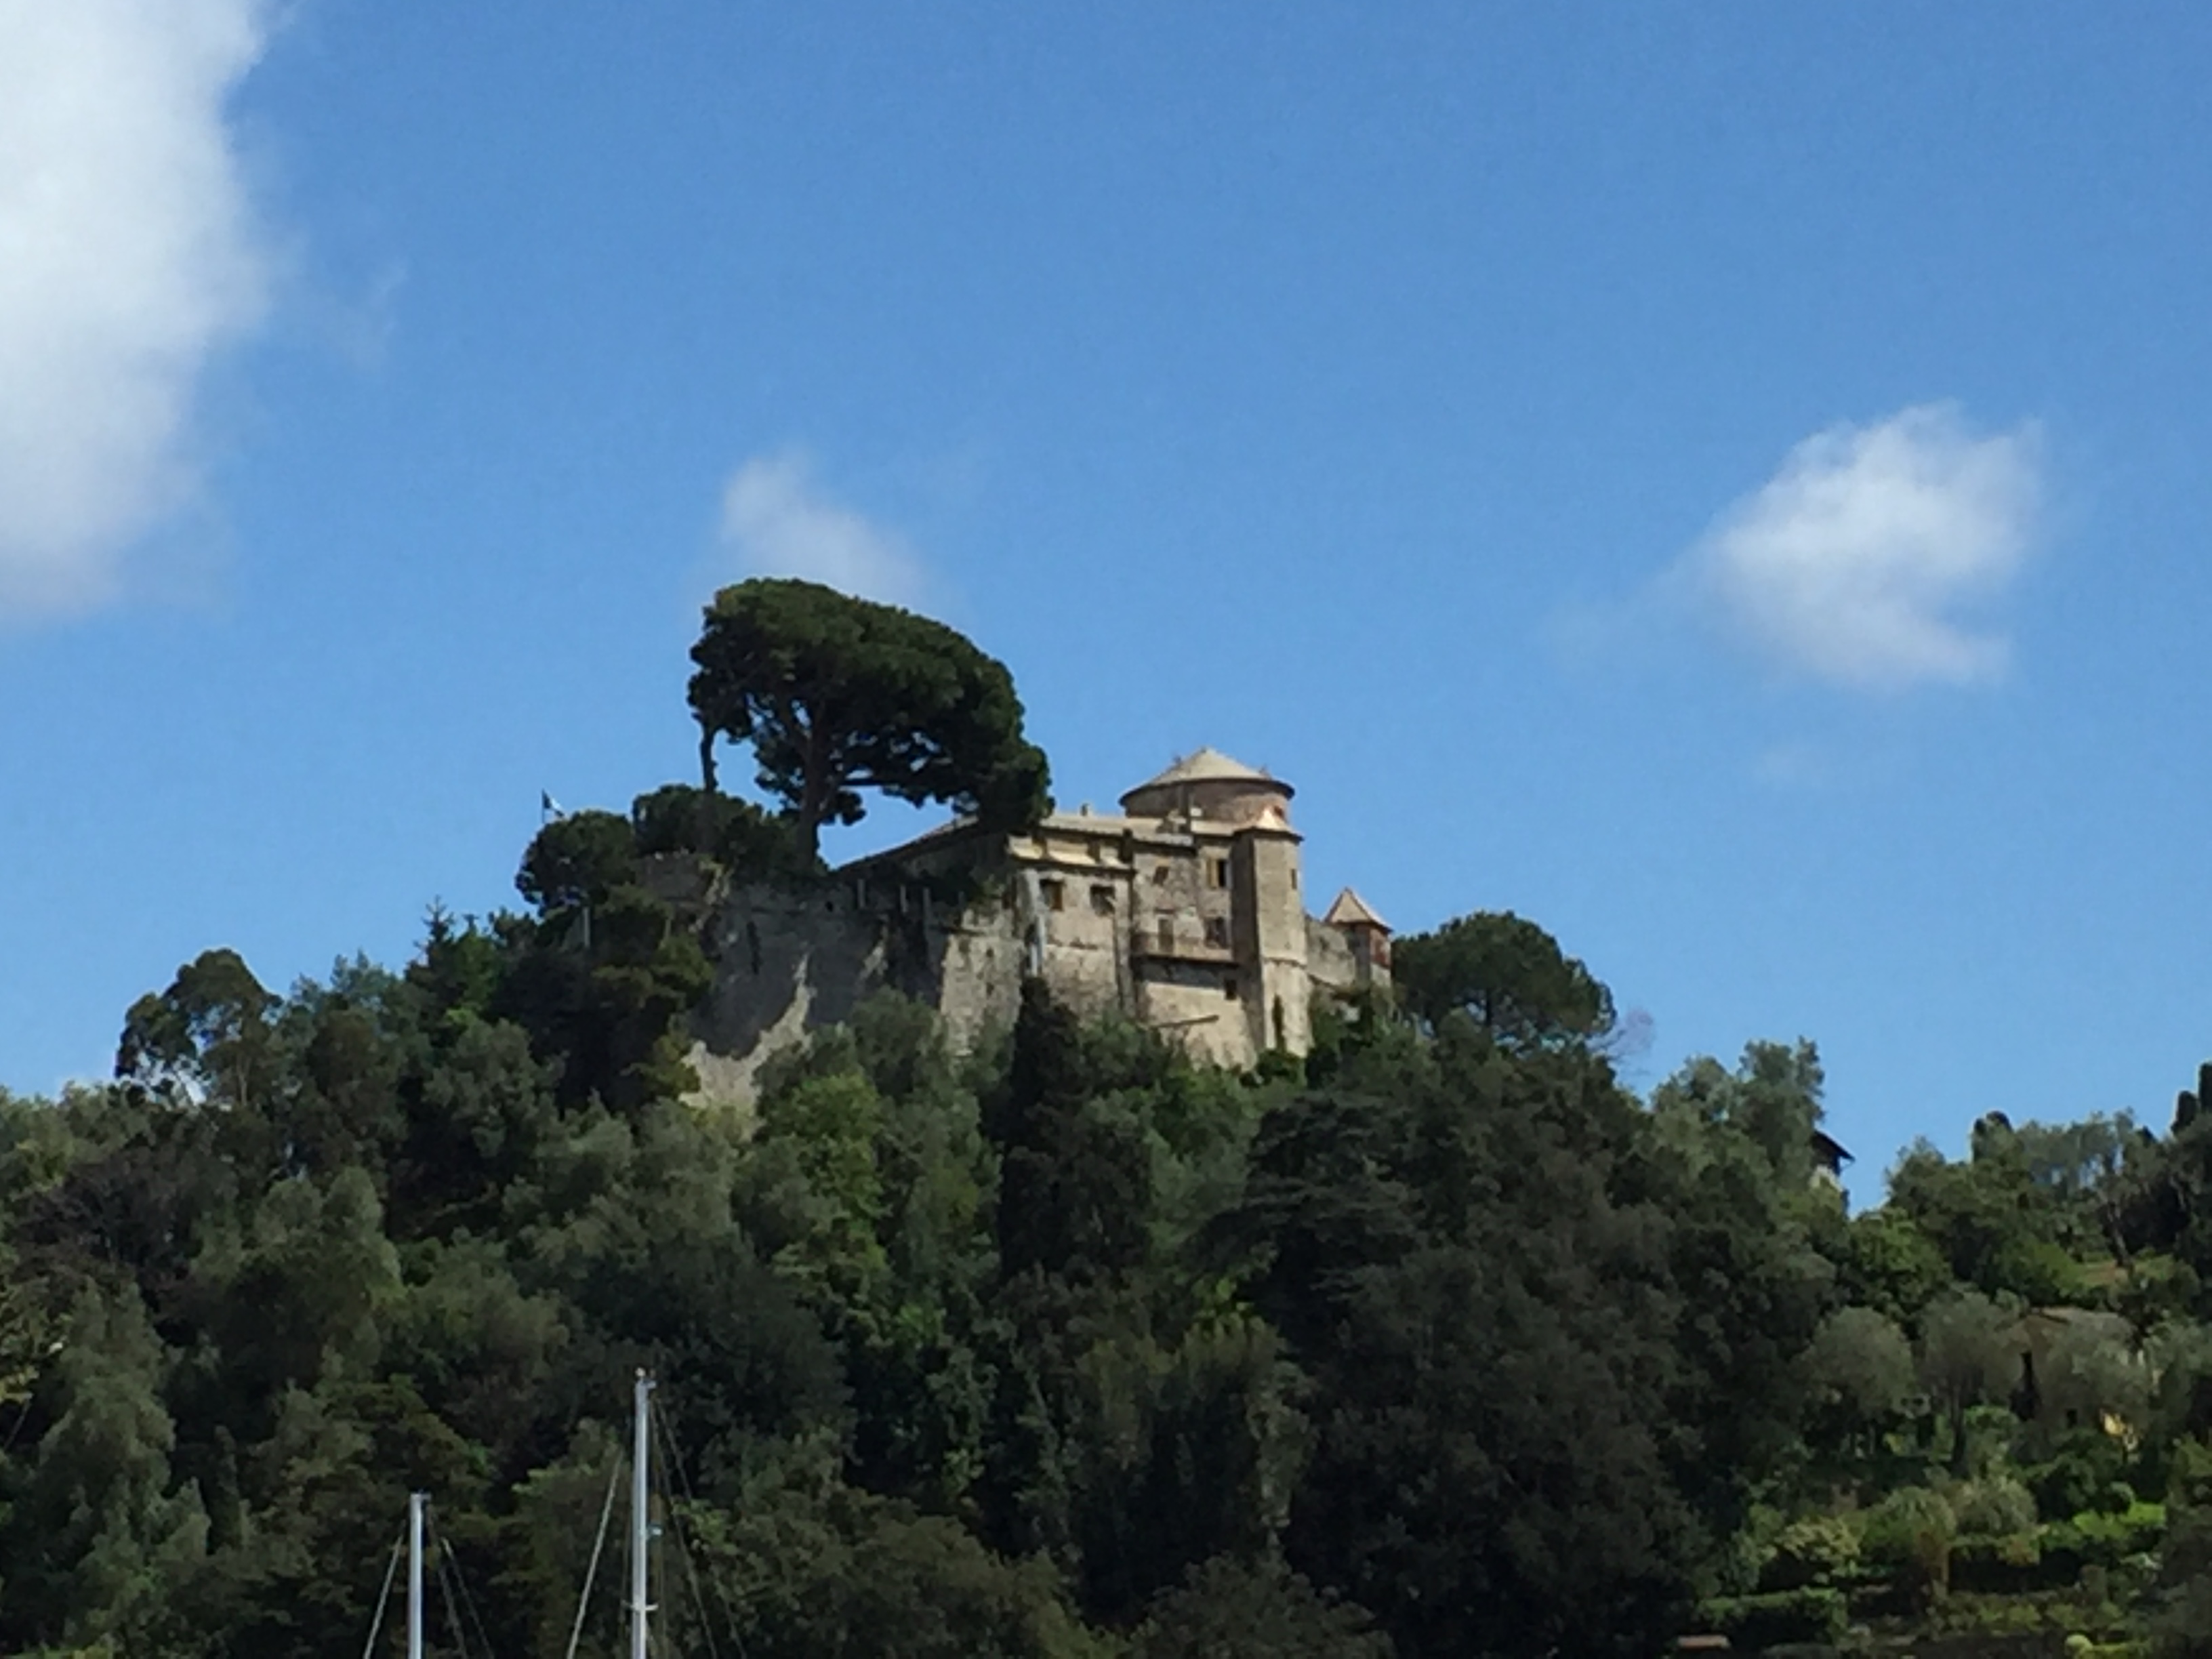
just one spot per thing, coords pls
(1228, 988)
(1294, 878)
(1216, 871)
(1101, 899)
(1160, 876)
(1055, 895)
(1217, 930)
(1167, 933)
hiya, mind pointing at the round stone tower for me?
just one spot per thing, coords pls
(1210, 787)
(1232, 823)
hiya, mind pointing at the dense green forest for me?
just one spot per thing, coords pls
(1439, 1340)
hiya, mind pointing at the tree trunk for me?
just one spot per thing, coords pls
(707, 757)
(814, 791)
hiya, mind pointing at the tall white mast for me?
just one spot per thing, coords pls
(640, 1526)
(416, 1501)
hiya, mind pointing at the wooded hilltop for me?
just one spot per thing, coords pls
(1437, 1340)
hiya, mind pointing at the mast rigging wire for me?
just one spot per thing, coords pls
(453, 1612)
(668, 1460)
(584, 1599)
(384, 1596)
(469, 1605)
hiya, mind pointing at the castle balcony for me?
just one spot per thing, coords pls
(1179, 940)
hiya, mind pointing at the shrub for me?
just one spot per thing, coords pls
(1996, 1507)
(2183, 1630)
(577, 860)
(1909, 1533)
(1990, 1432)
(676, 818)
(1229, 1609)
(2189, 1473)
(2036, 1270)
(751, 843)
(2003, 1566)
(1998, 1620)
(2092, 1540)
(1741, 1563)
(2084, 1464)
(1819, 1549)
(1814, 1615)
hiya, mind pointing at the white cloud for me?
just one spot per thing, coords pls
(129, 254)
(1863, 560)
(779, 523)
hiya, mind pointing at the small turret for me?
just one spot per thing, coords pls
(1367, 933)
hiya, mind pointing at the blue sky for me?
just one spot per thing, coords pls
(1728, 483)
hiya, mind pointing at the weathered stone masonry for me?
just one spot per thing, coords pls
(1183, 912)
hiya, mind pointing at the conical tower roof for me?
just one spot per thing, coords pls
(1349, 910)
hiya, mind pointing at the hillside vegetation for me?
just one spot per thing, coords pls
(1436, 1341)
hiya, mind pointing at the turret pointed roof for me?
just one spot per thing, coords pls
(1349, 910)
(1211, 766)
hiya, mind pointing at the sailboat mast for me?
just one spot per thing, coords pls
(640, 1528)
(415, 1503)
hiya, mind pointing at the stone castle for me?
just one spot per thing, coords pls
(1185, 912)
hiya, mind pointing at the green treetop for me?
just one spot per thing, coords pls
(1508, 974)
(836, 694)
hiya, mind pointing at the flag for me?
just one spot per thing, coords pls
(547, 807)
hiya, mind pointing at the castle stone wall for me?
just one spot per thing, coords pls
(1189, 1001)
(789, 961)
(1191, 922)
(1330, 964)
